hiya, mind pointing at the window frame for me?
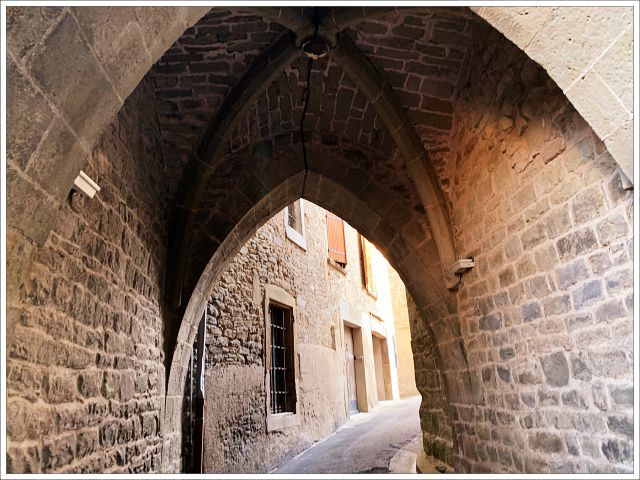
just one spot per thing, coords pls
(280, 421)
(299, 238)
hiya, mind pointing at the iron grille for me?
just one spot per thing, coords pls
(291, 217)
(280, 353)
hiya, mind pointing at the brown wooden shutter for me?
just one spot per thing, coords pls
(335, 236)
(367, 273)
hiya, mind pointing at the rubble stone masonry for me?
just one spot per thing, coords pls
(547, 312)
(528, 367)
(85, 373)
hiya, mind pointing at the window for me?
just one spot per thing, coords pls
(282, 371)
(294, 223)
(335, 240)
(368, 276)
(281, 361)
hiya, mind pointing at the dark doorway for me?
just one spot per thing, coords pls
(352, 393)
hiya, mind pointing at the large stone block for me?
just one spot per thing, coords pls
(116, 38)
(620, 144)
(616, 67)
(604, 112)
(29, 210)
(568, 44)
(555, 368)
(24, 131)
(86, 99)
(56, 161)
(27, 25)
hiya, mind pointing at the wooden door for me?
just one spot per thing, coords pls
(351, 370)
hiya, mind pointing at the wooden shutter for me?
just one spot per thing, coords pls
(367, 273)
(335, 237)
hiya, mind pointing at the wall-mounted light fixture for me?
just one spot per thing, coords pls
(85, 185)
(462, 265)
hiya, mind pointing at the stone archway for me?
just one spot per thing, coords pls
(522, 210)
(116, 54)
(580, 60)
(374, 209)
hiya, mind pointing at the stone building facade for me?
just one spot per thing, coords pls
(327, 299)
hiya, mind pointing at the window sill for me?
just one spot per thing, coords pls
(282, 421)
(296, 237)
(337, 266)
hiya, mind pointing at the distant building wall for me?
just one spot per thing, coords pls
(236, 406)
(406, 373)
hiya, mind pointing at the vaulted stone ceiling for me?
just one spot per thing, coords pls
(418, 51)
(238, 78)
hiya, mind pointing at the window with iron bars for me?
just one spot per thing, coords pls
(282, 374)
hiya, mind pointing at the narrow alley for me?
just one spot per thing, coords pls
(367, 443)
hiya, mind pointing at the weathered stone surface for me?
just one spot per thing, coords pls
(506, 353)
(531, 311)
(576, 243)
(587, 205)
(622, 396)
(575, 399)
(24, 133)
(26, 26)
(572, 273)
(118, 43)
(546, 442)
(587, 294)
(557, 305)
(558, 222)
(556, 369)
(33, 217)
(501, 167)
(85, 99)
(491, 322)
(617, 451)
(612, 228)
(72, 345)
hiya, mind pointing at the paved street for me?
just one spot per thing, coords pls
(367, 443)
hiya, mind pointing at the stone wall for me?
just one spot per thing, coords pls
(534, 197)
(85, 374)
(546, 314)
(435, 416)
(236, 438)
